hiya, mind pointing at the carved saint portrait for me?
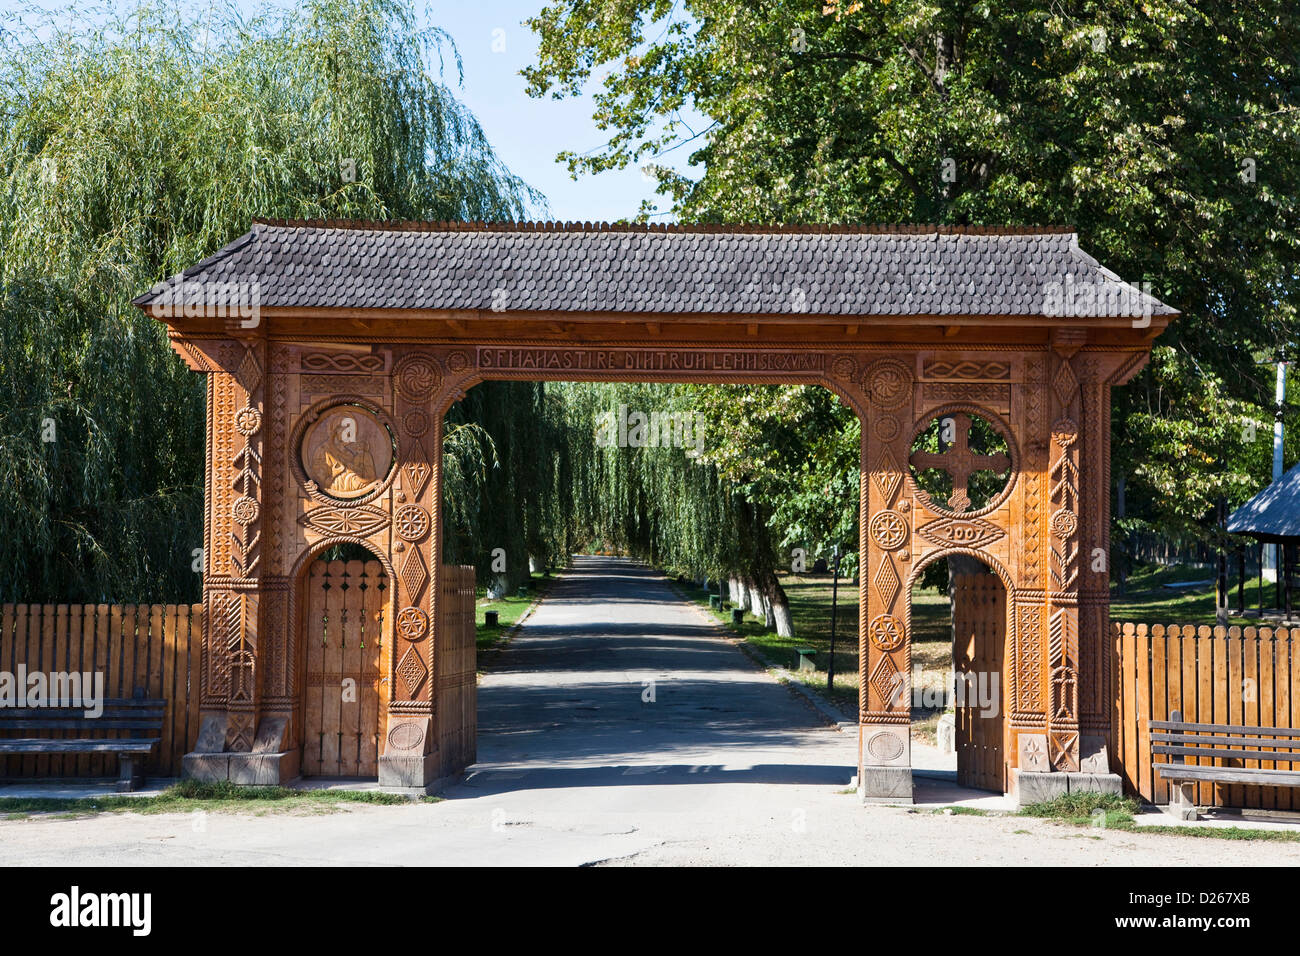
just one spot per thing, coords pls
(347, 452)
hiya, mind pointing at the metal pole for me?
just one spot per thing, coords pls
(1279, 400)
(835, 582)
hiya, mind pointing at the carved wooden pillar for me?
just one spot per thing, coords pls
(1065, 558)
(409, 745)
(885, 560)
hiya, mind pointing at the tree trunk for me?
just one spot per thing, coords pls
(776, 605)
(736, 592)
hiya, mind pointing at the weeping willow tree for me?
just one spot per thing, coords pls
(669, 474)
(506, 505)
(133, 147)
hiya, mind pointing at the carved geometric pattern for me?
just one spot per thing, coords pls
(885, 745)
(415, 422)
(843, 366)
(244, 510)
(342, 362)
(887, 476)
(411, 522)
(888, 383)
(414, 574)
(1064, 432)
(1064, 523)
(416, 377)
(407, 735)
(886, 632)
(889, 530)
(987, 394)
(885, 678)
(886, 582)
(360, 521)
(1033, 753)
(412, 671)
(966, 533)
(967, 369)
(417, 473)
(887, 428)
(457, 361)
(248, 421)
(412, 623)
(1064, 749)
(1029, 647)
(249, 372)
(1065, 383)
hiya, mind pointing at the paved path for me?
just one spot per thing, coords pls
(579, 763)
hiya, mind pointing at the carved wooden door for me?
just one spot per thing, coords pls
(979, 662)
(343, 630)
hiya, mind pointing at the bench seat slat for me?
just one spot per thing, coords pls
(1249, 775)
(1286, 742)
(36, 745)
(1226, 754)
(140, 723)
(1178, 725)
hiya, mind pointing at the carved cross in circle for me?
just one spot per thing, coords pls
(960, 462)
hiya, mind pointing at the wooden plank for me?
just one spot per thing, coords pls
(1229, 750)
(1293, 669)
(1133, 725)
(130, 650)
(1258, 741)
(350, 669)
(45, 766)
(1220, 703)
(71, 766)
(30, 655)
(194, 650)
(332, 649)
(167, 690)
(1252, 776)
(373, 620)
(1250, 701)
(1233, 794)
(108, 652)
(1268, 798)
(313, 623)
(1188, 682)
(8, 615)
(1143, 655)
(1204, 671)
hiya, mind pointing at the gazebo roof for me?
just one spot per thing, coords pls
(700, 270)
(1272, 514)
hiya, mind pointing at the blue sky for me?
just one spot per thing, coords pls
(526, 133)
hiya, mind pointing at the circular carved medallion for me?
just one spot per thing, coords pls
(1064, 432)
(412, 522)
(843, 366)
(416, 376)
(412, 623)
(887, 428)
(886, 632)
(248, 421)
(884, 745)
(347, 452)
(245, 510)
(1064, 523)
(889, 530)
(457, 361)
(889, 383)
(415, 422)
(406, 736)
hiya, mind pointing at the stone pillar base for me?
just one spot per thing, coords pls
(885, 785)
(1043, 787)
(418, 771)
(244, 769)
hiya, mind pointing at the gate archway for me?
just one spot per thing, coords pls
(396, 320)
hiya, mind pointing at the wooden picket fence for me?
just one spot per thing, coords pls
(152, 646)
(1215, 675)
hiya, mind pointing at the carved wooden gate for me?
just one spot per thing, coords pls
(979, 666)
(343, 630)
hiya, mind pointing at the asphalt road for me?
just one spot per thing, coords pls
(619, 727)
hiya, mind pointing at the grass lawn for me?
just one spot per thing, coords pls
(1149, 601)
(190, 795)
(509, 610)
(1114, 812)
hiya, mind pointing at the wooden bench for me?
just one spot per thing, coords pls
(137, 715)
(1179, 740)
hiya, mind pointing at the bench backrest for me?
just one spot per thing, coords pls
(136, 714)
(1178, 739)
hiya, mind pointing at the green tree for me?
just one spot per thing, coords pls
(130, 149)
(1168, 133)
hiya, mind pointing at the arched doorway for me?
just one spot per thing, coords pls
(345, 610)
